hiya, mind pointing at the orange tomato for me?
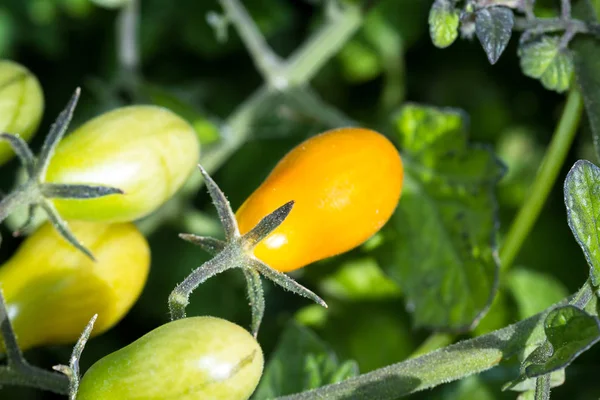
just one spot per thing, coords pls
(346, 184)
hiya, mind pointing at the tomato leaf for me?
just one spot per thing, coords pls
(440, 245)
(493, 26)
(582, 187)
(586, 56)
(443, 23)
(301, 361)
(569, 332)
(544, 59)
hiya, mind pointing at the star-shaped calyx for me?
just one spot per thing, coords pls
(236, 251)
(37, 193)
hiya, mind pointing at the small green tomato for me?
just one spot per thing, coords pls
(146, 151)
(21, 104)
(187, 359)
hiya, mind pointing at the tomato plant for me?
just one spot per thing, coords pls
(52, 290)
(435, 242)
(191, 358)
(345, 184)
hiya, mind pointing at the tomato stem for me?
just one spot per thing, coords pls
(545, 179)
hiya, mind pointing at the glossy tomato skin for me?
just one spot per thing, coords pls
(346, 184)
(146, 151)
(53, 289)
(196, 358)
(21, 104)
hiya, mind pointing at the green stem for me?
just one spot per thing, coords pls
(444, 365)
(441, 366)
(542, 388)
(299, 70)
(38, 378)
(266, 61)
(546, 177)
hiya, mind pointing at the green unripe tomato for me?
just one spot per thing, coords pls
(146, 151)
(21, 104)
(187, 359)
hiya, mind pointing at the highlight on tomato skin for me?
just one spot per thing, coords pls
(195, 358)
(146, 151)
(21, 104)
(346, 184)
(52, 289)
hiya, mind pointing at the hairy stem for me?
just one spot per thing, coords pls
(127, 38)
(444, 365)
(545, 179)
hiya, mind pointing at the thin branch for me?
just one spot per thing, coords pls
(127, 38)
(179, 297)
(266, 61)
(565, 9)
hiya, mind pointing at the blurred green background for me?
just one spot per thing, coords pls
(70, 43)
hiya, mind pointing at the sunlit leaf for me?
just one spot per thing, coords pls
(440, 245)
(544, 59)
(582, 199)
(569, 331)
(493, 26)
(586, 57)
(443, 23)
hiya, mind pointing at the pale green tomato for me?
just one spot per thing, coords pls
(198, 358)
(146, 151)
(21, 104)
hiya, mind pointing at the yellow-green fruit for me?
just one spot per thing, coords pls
(146, 151)
(198, 358)
(21, 104)
(52, 289)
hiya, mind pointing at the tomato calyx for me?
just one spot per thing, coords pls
(71, 371)
(35, 192)
(236, 252)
